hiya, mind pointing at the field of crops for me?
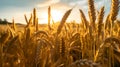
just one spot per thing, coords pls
(91, 43)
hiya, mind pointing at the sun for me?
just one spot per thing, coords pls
(56, 15)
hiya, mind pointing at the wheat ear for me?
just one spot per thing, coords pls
(64, 18)
(34, 17)
(83, 18)
(49, 17)
(100, 20)
(92, 12)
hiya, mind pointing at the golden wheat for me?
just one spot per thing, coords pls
(92, 13)
(83, 18)
(100, 20)
(78, 45)
(64, 18)
(49, 17)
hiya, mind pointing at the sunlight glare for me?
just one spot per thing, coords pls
(56, 15)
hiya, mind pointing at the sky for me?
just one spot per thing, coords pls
(16, 9)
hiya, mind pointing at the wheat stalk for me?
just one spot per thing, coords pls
(64, 18)
(83, 18)
(114, 10)
(100, 20)
(113, 13)
(49, 17)
(107, 22)
(30, 21)
(37, 25)
(26, 19)
(62, 48)
(13, 25)
(92, 12)
(34, 17)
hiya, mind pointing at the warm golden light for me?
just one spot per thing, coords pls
(56, 15)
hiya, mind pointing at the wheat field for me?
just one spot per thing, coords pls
(91, 43)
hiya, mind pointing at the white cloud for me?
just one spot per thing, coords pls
(81, 2)
(47, 3)
(53, 1)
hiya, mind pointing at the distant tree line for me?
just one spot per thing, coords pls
(4, 21)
